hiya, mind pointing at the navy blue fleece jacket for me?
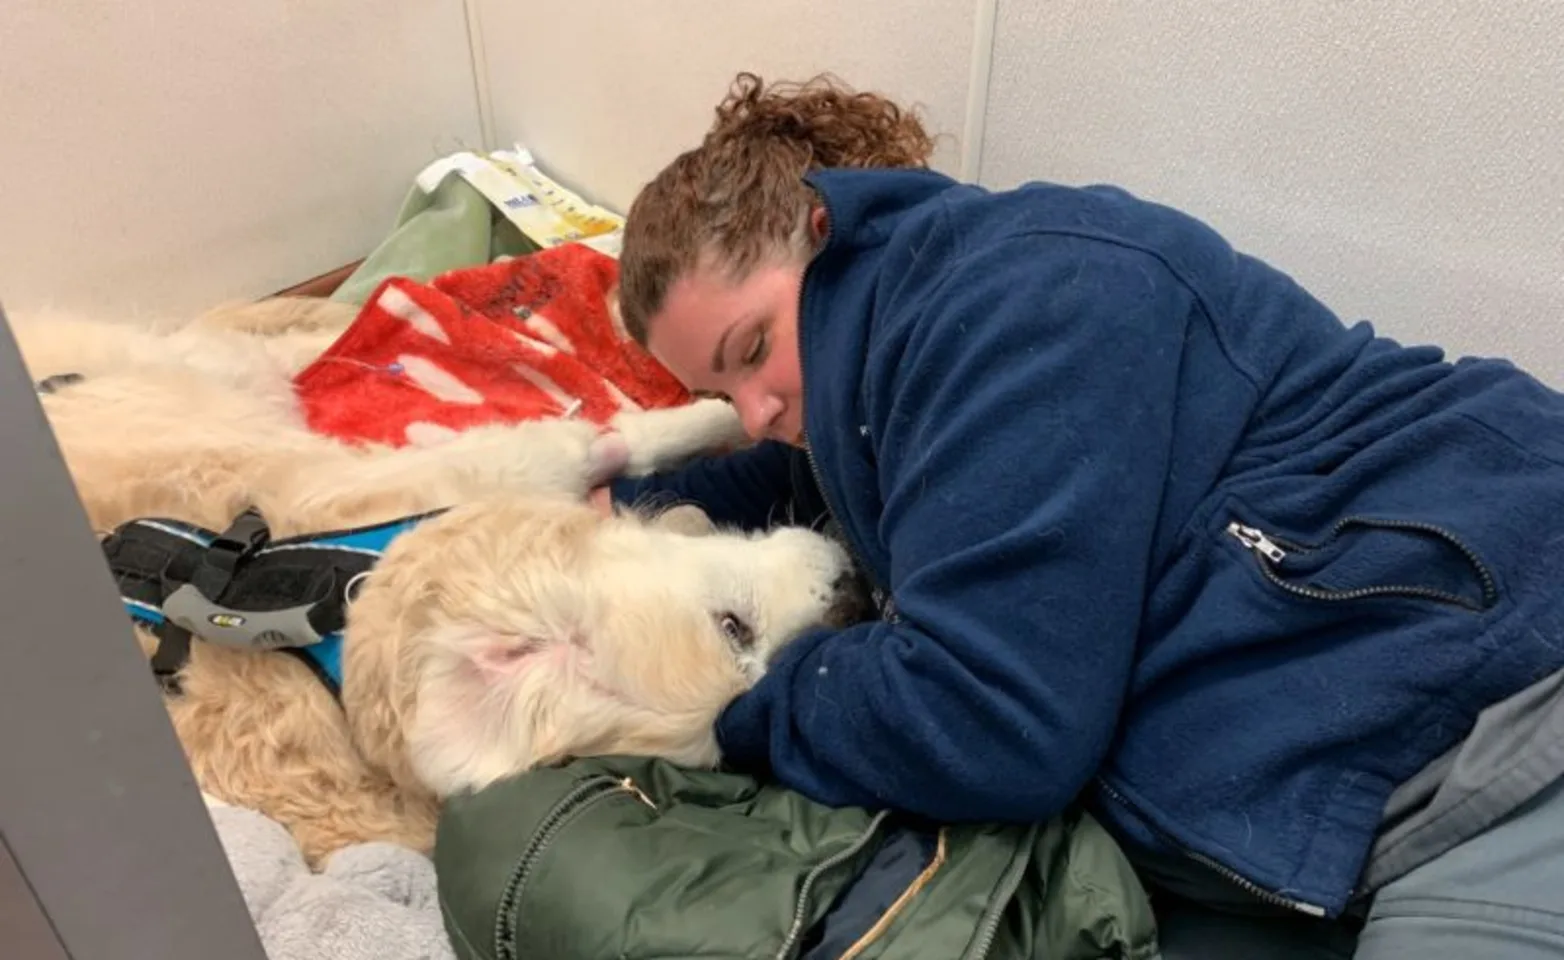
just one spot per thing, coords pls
(1155, 528)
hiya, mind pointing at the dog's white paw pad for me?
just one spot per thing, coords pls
(607, 457)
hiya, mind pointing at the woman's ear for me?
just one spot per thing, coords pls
(819, 223)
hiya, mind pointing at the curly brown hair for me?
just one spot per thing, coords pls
(739, 198)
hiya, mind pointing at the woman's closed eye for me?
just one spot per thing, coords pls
(757, 350)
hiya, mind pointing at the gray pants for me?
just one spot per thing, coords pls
(1497, 896)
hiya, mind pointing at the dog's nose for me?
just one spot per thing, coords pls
(850, 601)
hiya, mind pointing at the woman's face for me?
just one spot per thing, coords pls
(738, 340)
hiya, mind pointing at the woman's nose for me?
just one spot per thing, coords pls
(757, 412)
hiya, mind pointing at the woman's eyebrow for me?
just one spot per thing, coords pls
(717, 362)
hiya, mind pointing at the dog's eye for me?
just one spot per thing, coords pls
(736, 631)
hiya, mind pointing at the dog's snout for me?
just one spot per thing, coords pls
(851, 601)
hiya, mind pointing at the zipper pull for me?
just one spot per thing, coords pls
(629, 785)
(1258, 541)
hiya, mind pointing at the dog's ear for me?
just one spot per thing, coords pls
(498, 658)
(504, 659)
(491, 704)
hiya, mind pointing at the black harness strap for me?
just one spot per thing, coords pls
(238, 587)
(173, 651)
(215, 566)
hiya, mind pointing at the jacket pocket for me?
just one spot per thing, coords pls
(1367, 558)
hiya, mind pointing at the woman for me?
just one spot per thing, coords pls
(1151, 528)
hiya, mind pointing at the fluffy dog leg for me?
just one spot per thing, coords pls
(543, 457)
(560, 457)
(660, 439)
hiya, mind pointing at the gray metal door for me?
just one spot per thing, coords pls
(106, 849)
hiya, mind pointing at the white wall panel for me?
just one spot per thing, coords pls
(164, 154)
(1403, 158)
(606, 93)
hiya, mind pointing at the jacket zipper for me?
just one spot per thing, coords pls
(988, 924)
(1227, 873)
(832, 514)
(1272, 550)
(573, 804)
(796, 930)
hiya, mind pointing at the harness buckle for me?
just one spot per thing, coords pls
(247, 534)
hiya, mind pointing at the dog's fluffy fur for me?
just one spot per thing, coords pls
(519, 627)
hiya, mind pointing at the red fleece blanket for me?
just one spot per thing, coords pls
(524, 339)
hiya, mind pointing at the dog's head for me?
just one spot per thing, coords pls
(518, 632)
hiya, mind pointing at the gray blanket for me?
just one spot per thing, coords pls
(374, 901)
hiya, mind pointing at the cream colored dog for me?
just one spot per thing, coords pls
(516, 628)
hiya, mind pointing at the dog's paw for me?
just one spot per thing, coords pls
(715, 424)
(661, 439)
(543, 456)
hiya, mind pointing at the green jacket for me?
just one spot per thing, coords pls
(634, 858)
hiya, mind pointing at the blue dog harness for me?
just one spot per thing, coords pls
(241, 588)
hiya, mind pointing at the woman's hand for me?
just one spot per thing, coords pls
(607, 458)
(599, 499)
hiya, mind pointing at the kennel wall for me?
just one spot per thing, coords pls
(1401, 158)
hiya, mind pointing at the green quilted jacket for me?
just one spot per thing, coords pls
(634, 858)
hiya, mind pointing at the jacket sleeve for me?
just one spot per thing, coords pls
(1023, 444)
(750, 489)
